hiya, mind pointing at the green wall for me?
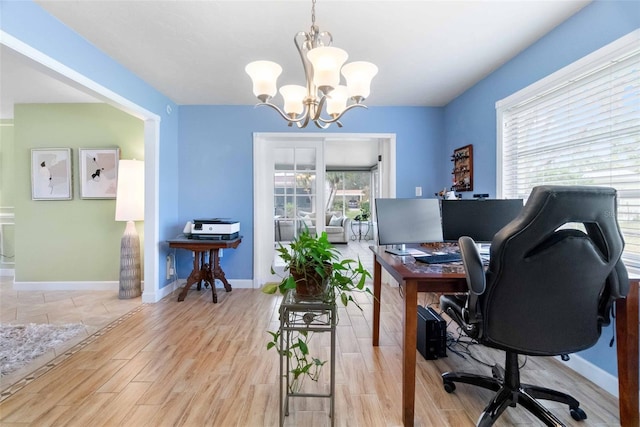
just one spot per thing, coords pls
(78, 239)
(7, 246)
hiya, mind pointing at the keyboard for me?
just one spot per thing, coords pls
(439, 258)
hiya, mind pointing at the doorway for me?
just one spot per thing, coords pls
(290, 189)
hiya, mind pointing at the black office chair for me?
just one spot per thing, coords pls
(547, 292)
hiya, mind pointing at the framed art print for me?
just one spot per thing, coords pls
(51, 176)
(98, 172)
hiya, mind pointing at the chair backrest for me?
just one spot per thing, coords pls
(549, 287)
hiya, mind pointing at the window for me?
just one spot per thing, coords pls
(579, 126)
(348, 192)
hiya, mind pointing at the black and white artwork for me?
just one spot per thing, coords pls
(51, 176)
(98, 172)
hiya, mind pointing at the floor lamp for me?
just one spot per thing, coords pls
(130, 208)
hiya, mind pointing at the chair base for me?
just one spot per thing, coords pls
(511, 392)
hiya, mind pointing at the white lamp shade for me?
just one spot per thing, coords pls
(359, 75)
(337, 100)
(326, 62)
(130, 191)
(264, 75)
(293, 96)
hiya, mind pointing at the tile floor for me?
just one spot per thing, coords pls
(94, 309)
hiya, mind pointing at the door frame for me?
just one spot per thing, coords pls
(263, 168)
(151, 292)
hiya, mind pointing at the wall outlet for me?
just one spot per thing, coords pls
(418, 191)
(221, 253)
(169, 267)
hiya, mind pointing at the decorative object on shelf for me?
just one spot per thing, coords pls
(462, 159)
(446, 194)
(98, 172)
(130, 208)
(322, 64)
(51, 175)
(314, 259)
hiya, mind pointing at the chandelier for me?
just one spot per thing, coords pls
(322, 66)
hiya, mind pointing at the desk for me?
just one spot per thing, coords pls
(447, 278)
(202, 270)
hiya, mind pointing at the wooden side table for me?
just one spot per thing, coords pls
(203, 271)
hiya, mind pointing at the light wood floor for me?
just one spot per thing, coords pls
(196, 363)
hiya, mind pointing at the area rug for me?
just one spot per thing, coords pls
(20, 344)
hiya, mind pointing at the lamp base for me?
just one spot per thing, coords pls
(130, 268)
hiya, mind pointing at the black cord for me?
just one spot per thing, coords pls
(453, 344)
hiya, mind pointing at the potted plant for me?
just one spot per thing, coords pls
(316, 272)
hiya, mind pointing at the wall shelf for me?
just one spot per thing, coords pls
(462, 159)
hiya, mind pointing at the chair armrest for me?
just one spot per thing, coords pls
(476, 279)
(346, 229)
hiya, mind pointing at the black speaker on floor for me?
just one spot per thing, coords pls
(432, 334)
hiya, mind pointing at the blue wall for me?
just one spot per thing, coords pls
(471, 118)
(215, 165)
(30, 24)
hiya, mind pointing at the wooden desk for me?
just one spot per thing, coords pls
(203, 271)
(446, 278)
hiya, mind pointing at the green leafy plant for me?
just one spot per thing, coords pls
(302, 363)
(314, 261)
(308, 258)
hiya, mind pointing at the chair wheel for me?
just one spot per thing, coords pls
(449, 387)
(578, 414)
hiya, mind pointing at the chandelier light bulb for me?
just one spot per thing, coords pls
(293, 98)
(264, 75)
(337, 100)
(358, 76)
(326, 62)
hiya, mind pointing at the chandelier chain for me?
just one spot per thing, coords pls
(313, 13)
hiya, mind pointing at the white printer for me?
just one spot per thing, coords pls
(215, 229)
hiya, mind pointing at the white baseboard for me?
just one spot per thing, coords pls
(7, 272)
(593, 373)
(67, 286)
(176, 284)
(147, 297)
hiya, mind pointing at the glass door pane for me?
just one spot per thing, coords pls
(294, 190)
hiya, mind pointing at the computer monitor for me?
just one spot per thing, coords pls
(403, 221)
(479, 219)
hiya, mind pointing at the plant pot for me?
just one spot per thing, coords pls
(310, 284)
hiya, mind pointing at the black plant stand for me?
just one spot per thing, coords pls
(309, 316)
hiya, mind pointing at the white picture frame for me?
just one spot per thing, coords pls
(98, 172)
(51, 174)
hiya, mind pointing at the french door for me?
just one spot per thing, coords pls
(289, 196)
(290, 190)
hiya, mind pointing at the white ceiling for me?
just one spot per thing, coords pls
(194, 52)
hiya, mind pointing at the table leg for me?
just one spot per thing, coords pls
(195, 276)
(202, 267)
(410, 323)
(627, 350)
(218, 273)
(377, 288)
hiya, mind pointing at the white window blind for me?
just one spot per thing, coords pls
(580, 126)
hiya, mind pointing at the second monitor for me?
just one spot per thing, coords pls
(478, 219)
(407, 221)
